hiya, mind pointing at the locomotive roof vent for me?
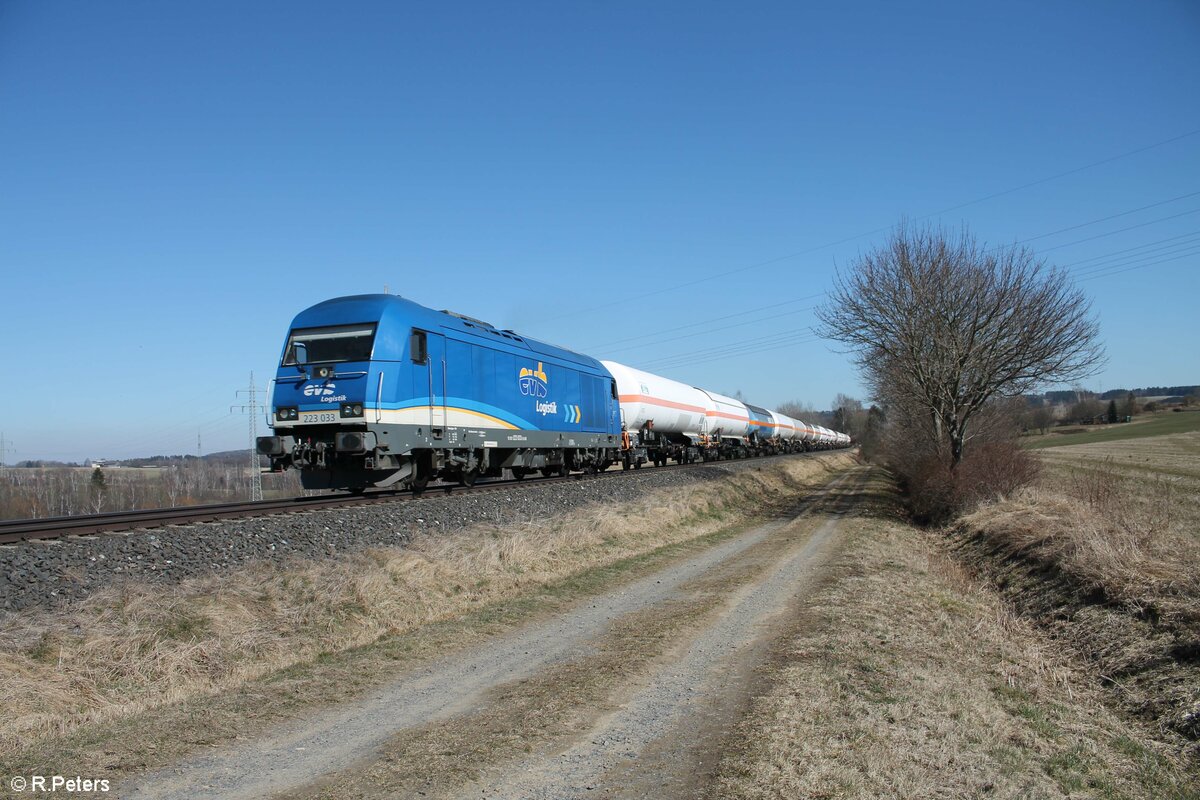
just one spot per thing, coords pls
(469, 320)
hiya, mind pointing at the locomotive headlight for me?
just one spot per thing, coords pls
(350, 442)
(286, 413)
(270, 445)
(352, 410)
(323, 371)
(357, 410)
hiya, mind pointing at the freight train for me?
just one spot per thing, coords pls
(376, 390)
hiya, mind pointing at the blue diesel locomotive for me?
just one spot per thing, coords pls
(375, 390)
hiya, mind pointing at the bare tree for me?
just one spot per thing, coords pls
(848, 415)
(805, 412)
(941, 325)
(1130, 407)
(1041, 417)
(1086, 410)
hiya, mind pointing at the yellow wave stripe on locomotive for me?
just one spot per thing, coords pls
(420, 415)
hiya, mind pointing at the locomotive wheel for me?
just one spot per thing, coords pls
(469, 477)
(419, 484)
(519, 474)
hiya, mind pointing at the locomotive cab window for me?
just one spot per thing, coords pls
(335, 343)
(418, 348)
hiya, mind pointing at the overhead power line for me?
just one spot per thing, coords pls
(783, 339)
(722, 328)
(798, 253)
(1192, 235)
(652, 341)
(1120, 230)
(1139, 266)
(1192, 248)
(1069, 172)
(707, 322)
(1104, 219)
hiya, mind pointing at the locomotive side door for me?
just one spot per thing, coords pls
(428, 351)
(437, 384)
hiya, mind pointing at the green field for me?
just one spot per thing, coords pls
(1161, 423)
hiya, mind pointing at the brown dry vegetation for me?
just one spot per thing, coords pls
(35, 492)
(1104, 553)
(135, 647)
(910, 678)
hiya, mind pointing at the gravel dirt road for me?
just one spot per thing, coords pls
(629, 694)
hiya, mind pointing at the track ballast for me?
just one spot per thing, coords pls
(13, 531)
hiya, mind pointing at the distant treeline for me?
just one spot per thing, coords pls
(1152, 391)
(222, 458)
(64, 491)
(1066, 397)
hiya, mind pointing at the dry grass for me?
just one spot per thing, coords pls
(909, 679)
(1101, 539)
(1104, 553)
(1139, 479)
(1176, 452)
(136, 647)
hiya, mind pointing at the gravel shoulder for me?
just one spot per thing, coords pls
(461, 702)
(54, 572)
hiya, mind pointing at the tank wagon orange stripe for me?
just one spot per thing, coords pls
(727, 416)
(655, 401)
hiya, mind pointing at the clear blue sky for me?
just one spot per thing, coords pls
(177, 180)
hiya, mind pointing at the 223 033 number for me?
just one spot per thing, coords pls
(318, 416)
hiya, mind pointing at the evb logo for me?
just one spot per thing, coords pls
(314, 390)
(533, 383)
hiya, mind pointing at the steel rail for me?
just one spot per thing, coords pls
(18, 530)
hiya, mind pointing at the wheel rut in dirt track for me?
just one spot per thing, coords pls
(663, 739)
(642, 732)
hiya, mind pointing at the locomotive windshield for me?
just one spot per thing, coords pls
(335, 343)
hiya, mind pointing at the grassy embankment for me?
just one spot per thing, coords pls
(1104, 552)
(137, 674)
(909, 677)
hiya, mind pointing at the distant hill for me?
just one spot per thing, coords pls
(223, 457)
(1069, 396)
(1152, 391)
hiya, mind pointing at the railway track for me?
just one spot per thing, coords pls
(13, 531)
